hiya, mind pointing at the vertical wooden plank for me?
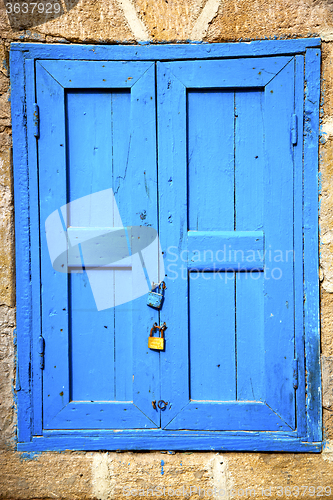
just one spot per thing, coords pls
(311, 260)
(210, 173)
(279, 240)
(89, 143)
(249, 206)
(22, 244)
(250, 336)
(139, 190)
(92, 343)
(123, 325)
(298, 246)
(172, 187)
(52, 189)
(35, 246)
(249, 160)
(124, 332)
(89, 139)
(210, 160)
(212, 332)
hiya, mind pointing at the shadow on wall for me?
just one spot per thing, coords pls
(324, 2)
(23, 14)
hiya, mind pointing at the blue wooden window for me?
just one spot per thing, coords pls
(215, 147)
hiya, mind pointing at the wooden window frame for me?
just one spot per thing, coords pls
(23, 57)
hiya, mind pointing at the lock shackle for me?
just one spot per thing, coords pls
(153, 328)
(161, 329)
(160, 285)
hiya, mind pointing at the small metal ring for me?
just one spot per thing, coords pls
(162, 404)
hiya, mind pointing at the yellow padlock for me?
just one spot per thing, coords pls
(157, 342)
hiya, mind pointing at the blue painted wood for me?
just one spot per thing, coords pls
(228, 73)
(249, 207)
(89, 365)
(95, 74)
(250, 337)
(209, 171)
(35, 246)
(278, 227)
(275, 122)
(231, 415)
(22, 250)
(52, 189)
(89, 167)
(98, 414)
(311, 258)
(172, 51)
(298, 247)
(92, 344)
(249, 160)
(235, 440)
(123, 322)
(159, 432)
(212, 331)
(138, 194)
(172, 188)
(225, 250)
(177, 440)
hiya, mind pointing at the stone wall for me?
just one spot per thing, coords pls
(76, 475)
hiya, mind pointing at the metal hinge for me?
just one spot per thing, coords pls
(295, 374)
(294, 129)
(36, 120)
(41, 349)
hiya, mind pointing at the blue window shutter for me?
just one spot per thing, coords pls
(209, 148)
(97, 369)
(227, 149)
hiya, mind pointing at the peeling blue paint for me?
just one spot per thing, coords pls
(32, 455)
(162, 469)
(29, 34)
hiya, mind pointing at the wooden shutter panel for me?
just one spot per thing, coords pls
(226, 163)
(97, 131)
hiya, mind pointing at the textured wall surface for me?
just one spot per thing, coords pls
(103, 476)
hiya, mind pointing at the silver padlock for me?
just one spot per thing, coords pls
(155, 299)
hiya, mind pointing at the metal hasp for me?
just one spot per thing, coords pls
(41, 349)
(157, 342)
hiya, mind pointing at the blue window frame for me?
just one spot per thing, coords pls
(215, 149)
